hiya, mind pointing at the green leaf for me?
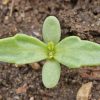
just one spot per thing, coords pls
(51, 73)
(75, 53)
(51, 30)
(22, 49)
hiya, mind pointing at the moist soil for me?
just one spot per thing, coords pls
(77, 17)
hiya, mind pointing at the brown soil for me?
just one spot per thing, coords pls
(77, 17)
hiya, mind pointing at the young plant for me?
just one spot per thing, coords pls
(71, 51)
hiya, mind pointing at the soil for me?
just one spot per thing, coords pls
(77, 17)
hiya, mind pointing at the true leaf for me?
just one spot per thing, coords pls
(74, 52)
(51, 73)
(51, 30)
(22, 49)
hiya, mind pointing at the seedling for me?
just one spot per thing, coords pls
(71, 51)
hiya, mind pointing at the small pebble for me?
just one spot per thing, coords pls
(6, 20)
(1, 97)
(22, 89)
(16, 98)
(35, 66)
(5, 2)
(19, 19)
(6, 17)
(9, 98)
(32, 98)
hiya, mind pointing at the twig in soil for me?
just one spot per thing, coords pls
(91, 74)
(44, 95)
(11, 9)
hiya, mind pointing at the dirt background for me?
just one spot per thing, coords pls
(77, 17)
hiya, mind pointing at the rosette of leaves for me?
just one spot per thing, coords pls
(71, 51)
